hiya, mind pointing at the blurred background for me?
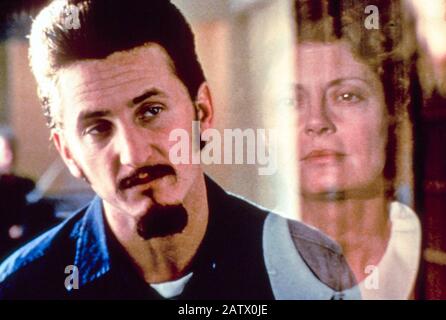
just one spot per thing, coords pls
(244, 47)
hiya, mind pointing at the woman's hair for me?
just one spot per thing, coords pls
(385, 50)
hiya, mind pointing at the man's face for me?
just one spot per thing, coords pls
(117, 114)
(6, 156)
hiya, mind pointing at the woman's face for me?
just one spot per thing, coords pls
(342, 121)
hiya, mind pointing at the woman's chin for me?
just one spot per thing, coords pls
(323, 190)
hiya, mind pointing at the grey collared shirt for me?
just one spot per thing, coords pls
(303, 265)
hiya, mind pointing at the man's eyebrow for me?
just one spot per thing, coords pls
(147, 94)
(87, 115)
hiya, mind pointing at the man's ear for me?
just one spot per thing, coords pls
(205, 108)
(65, 153)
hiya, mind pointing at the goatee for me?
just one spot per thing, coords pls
(161, 221)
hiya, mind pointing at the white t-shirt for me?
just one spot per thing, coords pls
(171, 289)
(394, 277)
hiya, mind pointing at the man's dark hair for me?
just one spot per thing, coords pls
(106, 27)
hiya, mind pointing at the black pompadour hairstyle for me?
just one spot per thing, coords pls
(106, 27)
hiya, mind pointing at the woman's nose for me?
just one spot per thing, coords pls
(318, 121)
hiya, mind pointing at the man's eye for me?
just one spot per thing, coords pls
(149, 112)
(99, 129)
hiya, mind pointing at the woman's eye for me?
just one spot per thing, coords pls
(349, 97)
(288, 102)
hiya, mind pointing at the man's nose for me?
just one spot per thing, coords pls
(134, 147)
(318, 120)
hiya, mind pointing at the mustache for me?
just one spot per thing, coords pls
(144, 175)
(162, 221)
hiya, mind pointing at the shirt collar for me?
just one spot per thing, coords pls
(92, 252)
(398, 268)
(92, 257)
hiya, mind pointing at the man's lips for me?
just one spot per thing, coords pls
(323, 155)
(145, 175)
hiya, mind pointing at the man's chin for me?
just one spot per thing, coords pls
(162, 221)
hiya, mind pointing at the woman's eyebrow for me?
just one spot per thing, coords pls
(338, 81)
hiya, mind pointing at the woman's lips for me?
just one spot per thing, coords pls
(323, 156)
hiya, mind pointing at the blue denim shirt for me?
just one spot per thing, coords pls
(228, 265)
(80, 241)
